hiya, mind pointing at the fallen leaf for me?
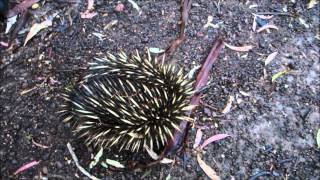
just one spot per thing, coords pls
(198, 138)
(114, 163)
(228, 106)
(318, 138)
(26, 166)
(38, 27)
(90, 4)
(268, 26)
(253, 6)
(207, 169)
(254, 24)
(99, 35)
(193, 71)
(304, 23)
(244, 93)
(135, 6)
(166, 161)
(279, 74)
(213, 138)
(270, 58)
(5, 44)
(96, 159)
(88, 15)
(10, 22)
(264, 16)
(110, 24)
(156, 50)
(312, 3)
(209, 22)
(239, 48)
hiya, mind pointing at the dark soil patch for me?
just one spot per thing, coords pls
(273, 128)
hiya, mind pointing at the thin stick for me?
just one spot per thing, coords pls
(274, 13)
(185, 7)
(201, 81)
(75, 159)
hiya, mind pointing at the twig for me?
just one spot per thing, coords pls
(19, 25)
(39, 145)
(217, 4)
(75, 159)
(201, 81)
(274, 13)
(185, 7)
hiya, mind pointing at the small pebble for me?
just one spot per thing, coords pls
(119, 7)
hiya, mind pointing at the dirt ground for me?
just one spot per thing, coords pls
(273, 124)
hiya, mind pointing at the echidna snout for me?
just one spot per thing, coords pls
(128, 102)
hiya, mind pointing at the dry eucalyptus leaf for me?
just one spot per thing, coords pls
(239, 48)
(214, 138)
(135, 6)
(207, 169)
(114, 163)
(10, 22)
(156, 50)
(268, 26)
(198, 138)
(38, 27)
(228, 106)
(270, 58)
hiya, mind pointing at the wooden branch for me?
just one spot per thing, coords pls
(201, 81)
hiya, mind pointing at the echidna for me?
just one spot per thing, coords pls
(128, 103)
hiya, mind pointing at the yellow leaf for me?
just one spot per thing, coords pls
(279, 74)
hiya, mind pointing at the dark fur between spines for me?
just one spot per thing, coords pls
(128, 103)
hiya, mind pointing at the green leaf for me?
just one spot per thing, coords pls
(278, 74)
(318, 138)
(114, 163)
(96, 158)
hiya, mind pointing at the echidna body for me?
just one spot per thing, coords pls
(128, 102)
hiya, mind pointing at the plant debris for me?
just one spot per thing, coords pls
(270, 58)
(213, 138)
(114, 163)
(239, 48)
(38, 27)
(135, 6)
(207, 169)
(279, 74)
(26, 166)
